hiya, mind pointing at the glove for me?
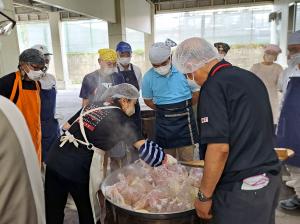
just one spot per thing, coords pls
(151, 153)
(169, 160)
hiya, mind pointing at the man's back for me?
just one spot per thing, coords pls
(237, 107)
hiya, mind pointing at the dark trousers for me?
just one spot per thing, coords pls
(236, 206)
(57, 189)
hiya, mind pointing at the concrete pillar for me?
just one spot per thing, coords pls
(59, 56)
(9, 46)
(283, 7)
(149, 38)
(117, 31)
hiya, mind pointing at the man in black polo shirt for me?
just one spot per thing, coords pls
(241, 180)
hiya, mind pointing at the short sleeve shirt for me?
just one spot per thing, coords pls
(234, 108)
(169, 89)
(7, 83)
(104, 129)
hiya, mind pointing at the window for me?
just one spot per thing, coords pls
(245, 29)
(297, 25)
(32, 33)
(82, 40)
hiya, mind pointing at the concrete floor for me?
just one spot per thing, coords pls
(68, 103)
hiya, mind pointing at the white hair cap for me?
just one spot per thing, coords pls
(272, 48)
(42, 48)
(123, 90)
(193, 53)
(294, 38)
(159, 53)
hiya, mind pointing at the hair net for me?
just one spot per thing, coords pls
(123, 47)
(123, 90)
(272, 48)
(192, 54)
(294, 38)
(32, 56)
(42, 48)
(107, 54)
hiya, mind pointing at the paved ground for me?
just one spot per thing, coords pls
(68, 103)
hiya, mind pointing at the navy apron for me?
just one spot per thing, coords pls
(175, 125)
(50, 126)
(130, 77)
(288, 134)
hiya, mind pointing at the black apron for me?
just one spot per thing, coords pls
(129, 77)
(175, 125)
(50, 127)
(288, 132)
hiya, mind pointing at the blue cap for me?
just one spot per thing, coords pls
(124, 47)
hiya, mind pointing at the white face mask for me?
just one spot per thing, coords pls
(222, 56)
(124, 60)
(294, 60)
(108, 71)
(193, 84)
(35, 75)
(130, 111)
(269, 58)
(163, 70)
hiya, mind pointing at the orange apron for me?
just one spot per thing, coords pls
(29, 103)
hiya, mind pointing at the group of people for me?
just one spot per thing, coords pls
(234, 128)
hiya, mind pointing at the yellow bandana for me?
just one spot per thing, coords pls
(107, 54)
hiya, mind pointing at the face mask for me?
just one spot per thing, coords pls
(294, 60)
(269, 58)
(163, 70)
(193, 84)
(124, 60)
(47, 67)
(222, 56)
(108, 71)
(35, 75)
(130, 111)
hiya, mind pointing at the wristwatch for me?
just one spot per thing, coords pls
(202, 197)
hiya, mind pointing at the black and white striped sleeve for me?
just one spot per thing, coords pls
(151, 153)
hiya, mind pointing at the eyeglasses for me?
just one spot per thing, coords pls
(37, 68)
(6, 26)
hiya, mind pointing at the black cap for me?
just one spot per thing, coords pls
(222, 46)
(32, 56)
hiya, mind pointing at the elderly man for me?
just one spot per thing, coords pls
(100, 79)
(288, 135)
(241, 174)
(270, 73)
(21, 187)
(167, 91)
(23, 89)
(50, 126)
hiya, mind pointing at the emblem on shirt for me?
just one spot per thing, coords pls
(204, 120)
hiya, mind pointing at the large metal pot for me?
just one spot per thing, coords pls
(125, 216)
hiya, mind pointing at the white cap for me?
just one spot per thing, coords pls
(193, 53)
(42, 48)
(159, 53)
(294, 38)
